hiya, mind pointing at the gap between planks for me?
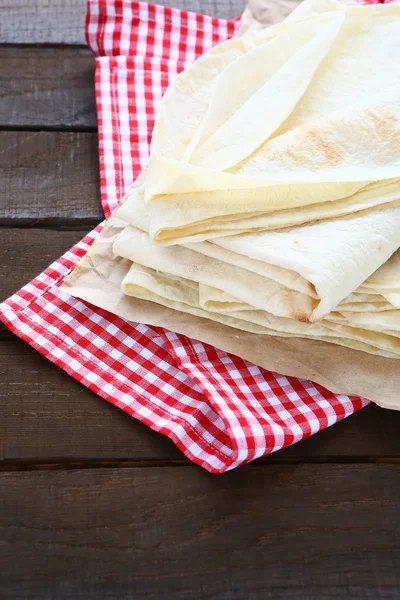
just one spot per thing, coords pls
(49, 128)
(79, 225)
(19, 466)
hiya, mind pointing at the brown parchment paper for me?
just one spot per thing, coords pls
(98, 276)
(261, 13)
(97, 279)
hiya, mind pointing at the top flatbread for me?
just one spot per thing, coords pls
(263, 128)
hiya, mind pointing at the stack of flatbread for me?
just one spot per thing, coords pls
(271, 202)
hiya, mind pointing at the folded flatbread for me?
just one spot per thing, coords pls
(305, 241)
(181, 295)
(301, 272)
(280, 127)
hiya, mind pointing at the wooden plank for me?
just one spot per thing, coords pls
(279, 531)
(42, 22)
(71, 423)
(45, 415)
(26, 252)
(62, 21)
(54, 87)
(48, 178)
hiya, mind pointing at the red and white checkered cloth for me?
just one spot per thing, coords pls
(220, 410)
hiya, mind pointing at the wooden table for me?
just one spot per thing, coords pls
(95, 506)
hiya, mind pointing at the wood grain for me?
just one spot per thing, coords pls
(281, 532)
(54, 88)
(42, 22)
(49, 178)
(26, 252)
(62, 21)
(46, 416)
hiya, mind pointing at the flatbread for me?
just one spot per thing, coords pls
(323, 262)
(227, 149)
(149, 284)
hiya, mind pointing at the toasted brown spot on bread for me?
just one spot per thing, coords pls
(310, 146)
(300, 316)
(330, 154)
(379, 246)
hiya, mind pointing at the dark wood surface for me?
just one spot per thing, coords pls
(57, 182)
(93, 505)
(54, 88)
(279, 531)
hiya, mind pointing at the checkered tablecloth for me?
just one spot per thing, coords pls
(220, 410)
